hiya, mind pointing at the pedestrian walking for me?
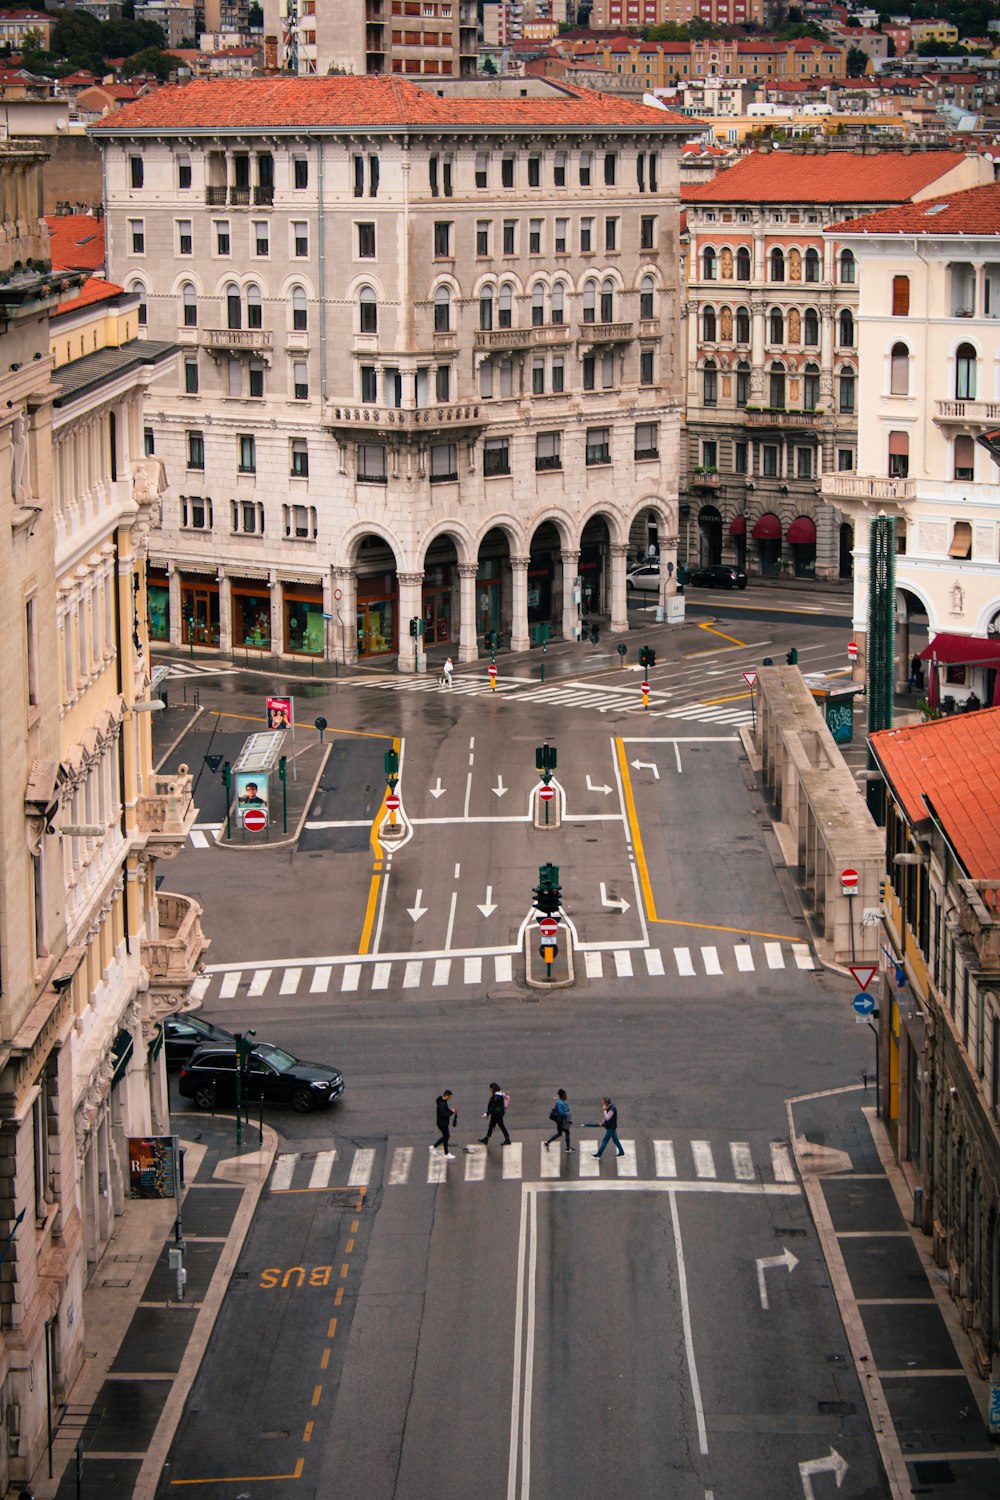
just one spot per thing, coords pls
(446, 672)
(495, 1110)
(560, 1115)
(916, 674)
(609, 1120)
(447, 1118)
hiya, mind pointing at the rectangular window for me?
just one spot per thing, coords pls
(300, 173)
(558, 374)
(610, 168)
(222, 240)
(611, 234)
(371, 463)
(559, 169)
(534, 171)
(300, 238)
(482, 169)
(261, 238)
(769, 455)
(507, 171)
(137, 235)
(647, 440)
(196, 513)
(496, 457)
(740, 458)
(300, 459)
(31, 652)
(509, 233)
(195, 450)
(804, 463)
(586, 236)
(234, 377)
(183, 172)
(561, 236)
(300, 521)
(442, 241)
(369, 384)
(598, 446)
(247, 453)
(646, 359)
(845, 460)
(442, 383)
(647, 232)
(742, 387)
(548, 450)
(710, 454)
(900, 296)
(444, 463)
(185, 237)
(366, 241)
(538, 377)
(586, 161)
(248, 517)
(135, 173)
(300, 379)
(148, 442)
(534, 236)
(589, 372)
(483, 237)
(358, 163)
(191, 376)
(486, 381)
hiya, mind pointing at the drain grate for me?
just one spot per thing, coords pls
(240, 1276)
(836, 1408)
(793, 1234)
(934, 1471)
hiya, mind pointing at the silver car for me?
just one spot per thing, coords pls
(645, 579)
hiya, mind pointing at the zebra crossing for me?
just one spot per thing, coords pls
(400, 975)
(695, 1160)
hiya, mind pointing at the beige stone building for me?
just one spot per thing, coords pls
(429, 357)
(88, 951)
(314, 37)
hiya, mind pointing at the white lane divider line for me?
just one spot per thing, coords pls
(258, 983)
(742, 1160)
(475, 1163)
(744, 958)
(284, 1171)
(781, 1162)
(473, 971)
(623, 963)
(230, 984)
(380, 976)
(320, 980)
(654, 961)
(588, 1166)
(513, 1160)
(319, 1177)
(399, 1167)
(504, 965)
(627, 1164)
(437, 1165)
(666, 1158)
(290, 981)
(704, 1161)
(198, 839)
(803, 957)
(710, 958)
(200, 985)
(550, 1160)
(442, 968)
(774, 955)
(682, 957)
(351, 977)
(361, 1167)
(594, 965)
(411, 974)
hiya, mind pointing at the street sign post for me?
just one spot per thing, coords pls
(548, 927)
(863, 974)
(750, 678)
(392, 802)
(546, 757)
(864, 1005)
(493, 676)
(852, 651)
(255, 819)
(549, 952)
(546, 793)
(849, 886)
(645, 694)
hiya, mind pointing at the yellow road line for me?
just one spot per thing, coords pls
(733, 698)
(786, 937)
(338, 1299)
(376, 880)
(633, 823)
(307, 1434)
(324, 1359)
(712, 631)
(344, 1270)
(296, 1473)
(364, 734)
(317, 1394)
(331, 1328)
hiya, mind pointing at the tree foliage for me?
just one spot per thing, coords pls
(857, 62)
(150, 60)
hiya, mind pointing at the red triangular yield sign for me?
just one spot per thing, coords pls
(749, 678)
(863, 974)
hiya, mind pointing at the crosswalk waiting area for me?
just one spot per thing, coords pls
(693, 1160)
(405, 975)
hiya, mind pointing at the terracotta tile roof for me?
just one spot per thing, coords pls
(838, 177)
(94, 289)
(972, 211)
(351, 102)
(955, 762)
(77, 242)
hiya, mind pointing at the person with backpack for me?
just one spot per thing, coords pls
(609, 1120)
(446, 1119)
(495, 1110)
(560, 1115)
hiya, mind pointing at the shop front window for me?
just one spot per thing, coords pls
(200, 614)
(158, 605)
(304, 622)
(251, 619)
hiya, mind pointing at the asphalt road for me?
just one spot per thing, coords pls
(517, 1323)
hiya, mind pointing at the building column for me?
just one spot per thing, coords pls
(410, 603)
(277, 617)
(826, 343)
(225, 612)
(570, 594)
(174, 591)
(519, 638)
(468, 649)
(757, 311)
(619, 607)
(345, 616)
(668, 575)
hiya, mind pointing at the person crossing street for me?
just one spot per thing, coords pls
(495, 1110)
(447, 1117)
(609, 1120)
(560, 1115)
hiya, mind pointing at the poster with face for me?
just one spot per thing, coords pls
(279, 713)
(251, 790)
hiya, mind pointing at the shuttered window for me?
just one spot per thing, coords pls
(900, 296)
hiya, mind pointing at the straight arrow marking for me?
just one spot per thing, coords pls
(767, 1262)
(488, 907)
(438, 790)
(416, 911)
(499, 791)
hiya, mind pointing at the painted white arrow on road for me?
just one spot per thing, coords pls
(647, 765)
(767, 1262)
(439, 790)
(488, 907)
(416, 911)
(832, 1464)
(617, 903)
(499, 790)
(592, 788)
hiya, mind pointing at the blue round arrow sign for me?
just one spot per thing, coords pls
(863, 1004)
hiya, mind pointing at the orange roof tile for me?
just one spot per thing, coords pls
(94, 289)
(972, 211)
(955, 763)
(351, 102)
(77, 242)
(838, 177)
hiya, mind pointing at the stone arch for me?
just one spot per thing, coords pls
(617, 530)
(459, 534)
(512, 529)
(355, 284)
(351, 539)
(987, 615)
(564, 523)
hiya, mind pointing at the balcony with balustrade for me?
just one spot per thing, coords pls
(167, 812)
(244, 339)
(966, 413)
(594, 334)
(173, 956)
(838, 487)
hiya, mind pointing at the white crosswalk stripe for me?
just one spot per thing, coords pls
(475, 1163)
(512, 1157)
(744, 958)
(322, 1169)
(230, 984)
(361, 1167)
(654, 961)
(666, 1158)
(781, 1162)
(258, 983)
(627, 1164)
(742, 1161)
(704, 1161)
(321, 980)
(290, 981)
(774, 955)
(198, 839)
(399, 1169)
(437, 1165)
(710, 958)
(284, 1171)
(594, 964)
(803, 957)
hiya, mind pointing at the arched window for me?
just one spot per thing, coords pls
(505, 306)
(189, 298)
(607, 301)
(486, 308)
(709, 264)
(810, 328)
(777, 264)
(710, 383)
(647, 292)
(846, 329)
(442, 310)
(848, 382)
(776, 326)
(899, 370)
(537, 305)
(743, 264)
(368, 310)
(139, 288)
(559, 302)
(812, 265)
(300, 309)
(810, 387)
(847, 267)
(255, 311)
(709, 331)
(743, 325)
(234, 307)
(901, 296)
(776, 385)
(965, 373)
(590, 301)
(965, 458)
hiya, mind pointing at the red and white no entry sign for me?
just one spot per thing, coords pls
(852, 650)
(255, 819)
(546, 793)
(392, 803)
(645, 687)
(548, 926)
(492, 671)
(849, 879)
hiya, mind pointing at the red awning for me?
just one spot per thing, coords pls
(767, 528)
(963, 650)
(802, 530)
(738, 526)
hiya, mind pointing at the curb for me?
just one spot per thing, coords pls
(286, 839)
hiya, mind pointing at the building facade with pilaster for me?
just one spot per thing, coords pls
(429, 358)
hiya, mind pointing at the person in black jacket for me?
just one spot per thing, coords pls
(609, 1120)
(494, 1112)
(446, 1118)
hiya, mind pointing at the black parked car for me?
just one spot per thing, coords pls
(183, 1034)
(718, 576)
(273, 1075)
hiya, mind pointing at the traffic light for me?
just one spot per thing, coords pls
(545, 760)
(391, 765)
(490, 640)
(647, 656)
(414, 627)
(547, 894)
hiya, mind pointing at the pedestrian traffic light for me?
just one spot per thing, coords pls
(413, 627)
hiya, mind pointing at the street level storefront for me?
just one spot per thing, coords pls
(251, 614)
(158, 604)
(963, 672)
(199, 611)
(304, 626)
(377, 611)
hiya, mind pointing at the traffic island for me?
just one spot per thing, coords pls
(548, 960)
(282, 809)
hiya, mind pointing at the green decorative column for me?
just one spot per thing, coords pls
(881, 641)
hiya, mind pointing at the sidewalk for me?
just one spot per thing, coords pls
(142, 1346)
(927, 1404)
